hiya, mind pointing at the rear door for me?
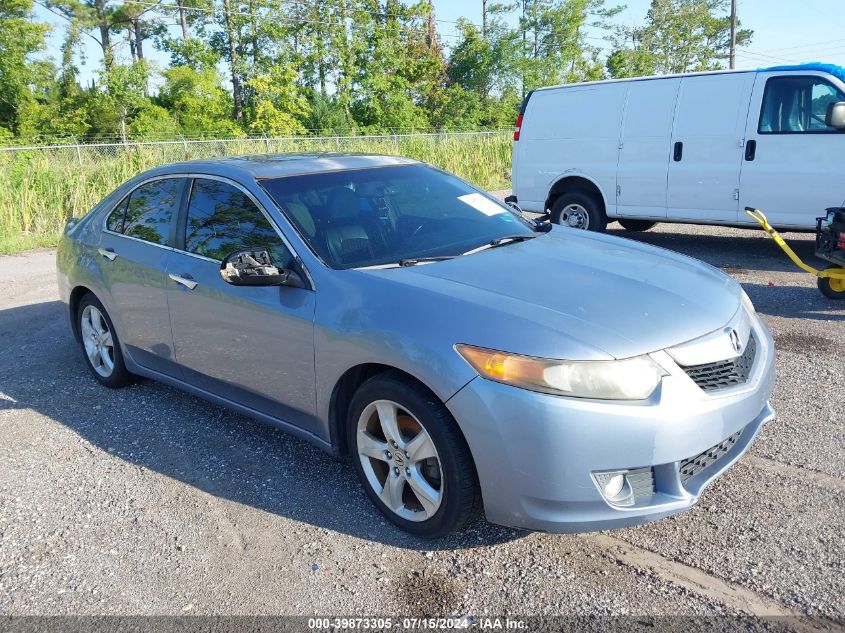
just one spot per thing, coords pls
(706, 149)
(570, 131)
(644, 148)
(792, 168)
(135, 248)
(253, 345)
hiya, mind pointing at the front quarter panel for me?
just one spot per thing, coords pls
(358, 322)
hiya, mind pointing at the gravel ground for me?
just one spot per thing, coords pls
(149, 501)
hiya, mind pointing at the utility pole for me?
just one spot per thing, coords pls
(733, 35)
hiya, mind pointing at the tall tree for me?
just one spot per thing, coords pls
(19, 39)
(679, 36)
(96, 17)
(557, 48)
(233, 25)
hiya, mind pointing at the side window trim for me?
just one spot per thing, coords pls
(183, 221)
(125, 199)
(816, 78)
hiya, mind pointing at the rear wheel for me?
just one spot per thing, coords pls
(830, 287)
(636, 225)
(579, 210)
(100, 343)
(411, 458)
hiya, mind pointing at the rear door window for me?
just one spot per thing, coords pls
(149, 211)
(115, 220)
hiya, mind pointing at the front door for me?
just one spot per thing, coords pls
(135, 250)
(706, 149)
(253, 345)
(792, 167)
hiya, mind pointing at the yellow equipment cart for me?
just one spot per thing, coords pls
(830, 245)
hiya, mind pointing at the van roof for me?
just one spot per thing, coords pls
(836, 71)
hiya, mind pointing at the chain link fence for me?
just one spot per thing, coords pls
(45, 184)
(165, 151)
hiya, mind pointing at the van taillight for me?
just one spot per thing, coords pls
(518, 126)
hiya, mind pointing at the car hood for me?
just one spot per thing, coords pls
(609, 294)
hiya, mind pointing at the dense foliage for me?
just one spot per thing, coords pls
(291, 67)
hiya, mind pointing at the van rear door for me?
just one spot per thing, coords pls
(644, 148)
(706, 150)
(569, 131)
(792, 168)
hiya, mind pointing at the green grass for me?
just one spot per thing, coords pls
(41, 189)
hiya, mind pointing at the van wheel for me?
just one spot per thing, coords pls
(830, 287)
(636, 225)
(411, 457)
(579, 210)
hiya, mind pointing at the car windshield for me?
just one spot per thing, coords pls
(391, 215)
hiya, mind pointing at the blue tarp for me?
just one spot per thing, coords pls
(833, 69)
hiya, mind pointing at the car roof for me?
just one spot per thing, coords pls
(280, 165)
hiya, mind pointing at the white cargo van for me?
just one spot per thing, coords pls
(694, 148)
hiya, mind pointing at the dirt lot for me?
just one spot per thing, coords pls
(149, 501)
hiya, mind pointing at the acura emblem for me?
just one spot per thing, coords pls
(735, 341)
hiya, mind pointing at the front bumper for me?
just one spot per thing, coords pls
(536, 454)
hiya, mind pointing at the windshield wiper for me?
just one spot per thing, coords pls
(413, 261)
(501, 241)
(509, 239)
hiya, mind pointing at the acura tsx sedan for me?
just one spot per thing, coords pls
(465, 357)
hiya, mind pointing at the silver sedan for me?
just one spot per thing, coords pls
(464, 356)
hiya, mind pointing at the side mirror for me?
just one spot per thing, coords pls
(835, 116)
(256, 268)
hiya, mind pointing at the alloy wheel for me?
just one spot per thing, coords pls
(400, 460)
(97, 340)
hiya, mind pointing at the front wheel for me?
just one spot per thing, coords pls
(411, 457)
(579, 210)
(830, 287)
(636, 225)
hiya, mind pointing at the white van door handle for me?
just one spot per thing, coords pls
(185, 280)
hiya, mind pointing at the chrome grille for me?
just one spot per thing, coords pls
(694, 465)
(725, 373)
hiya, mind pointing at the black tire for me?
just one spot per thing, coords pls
(832, 288)
(636, 225)
(119, 376)
(461, 494)
(594, 217)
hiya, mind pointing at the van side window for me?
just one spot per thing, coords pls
(793, 105)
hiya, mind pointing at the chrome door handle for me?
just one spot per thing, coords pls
(185, 280)
(108, 253)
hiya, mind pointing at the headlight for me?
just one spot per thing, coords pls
(747, 302)
(629, 379)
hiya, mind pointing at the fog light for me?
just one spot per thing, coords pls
(614, 486)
